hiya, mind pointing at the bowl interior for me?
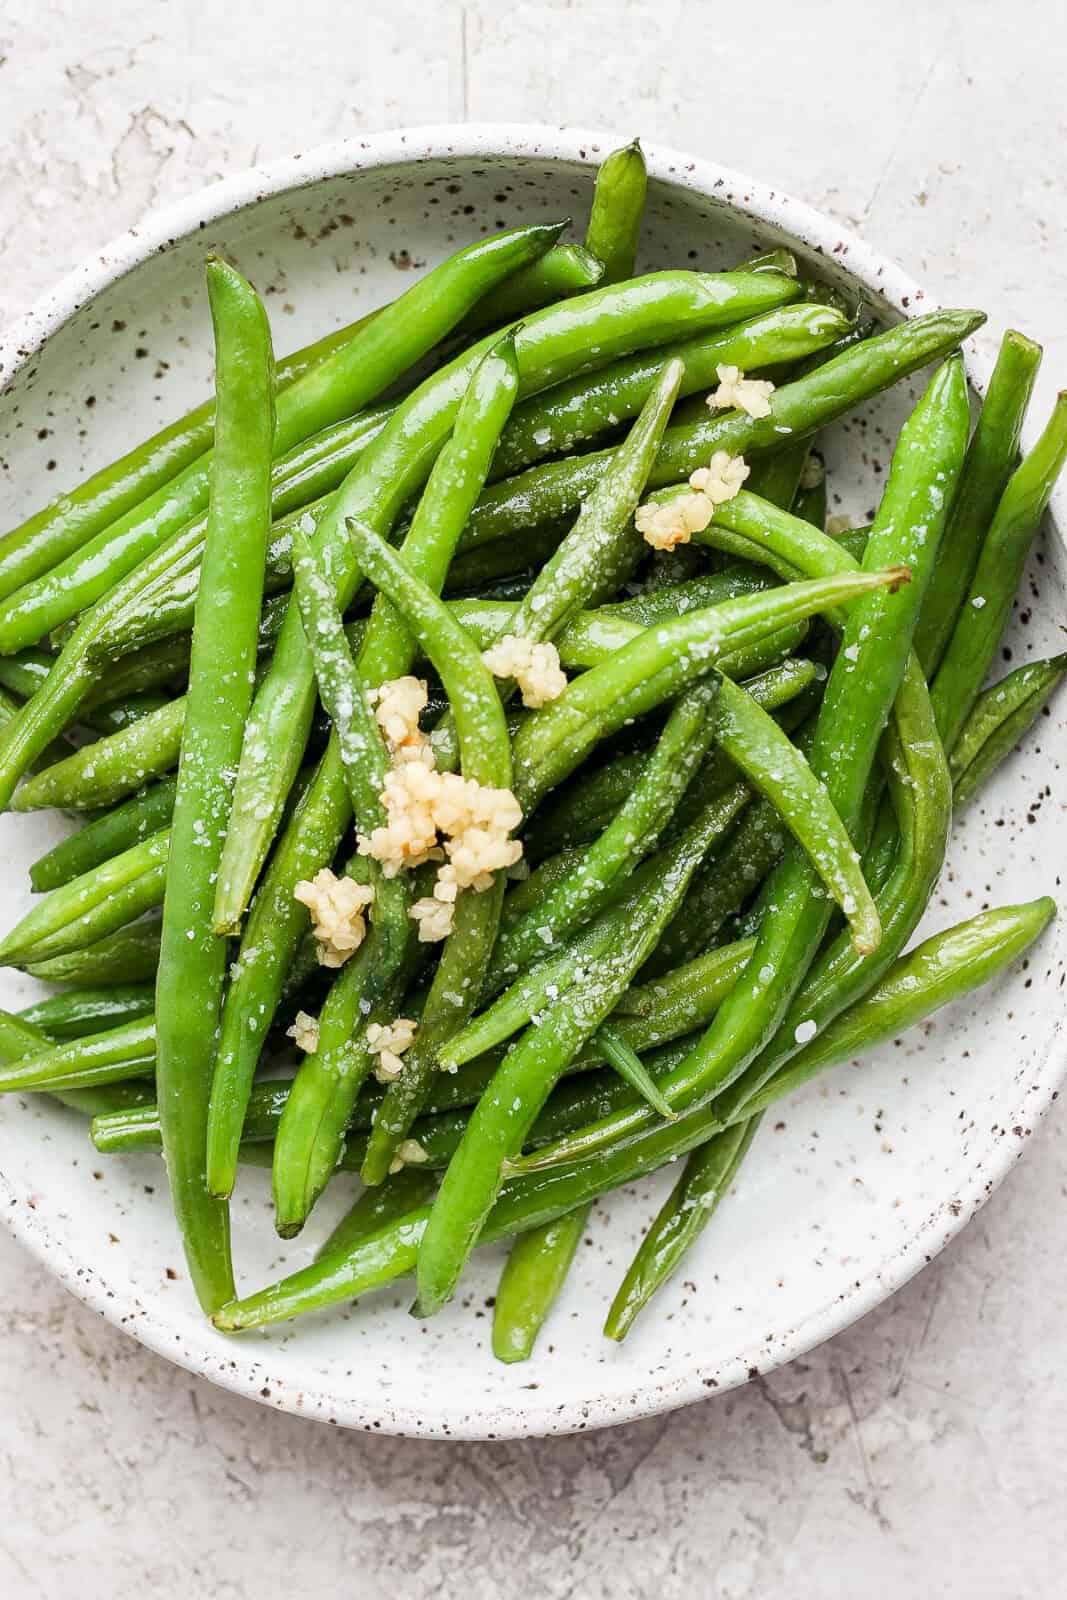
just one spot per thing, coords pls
(851, 1185)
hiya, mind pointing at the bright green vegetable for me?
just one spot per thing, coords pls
(529, 1286)
(617, 210)
(193, 961)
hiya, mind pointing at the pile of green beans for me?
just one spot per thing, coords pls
(733, 772)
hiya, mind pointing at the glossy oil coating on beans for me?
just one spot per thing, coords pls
(990, 944)
(618, 207)
(859, 695)
(550, 345)
(193, 959)
(529, 1286)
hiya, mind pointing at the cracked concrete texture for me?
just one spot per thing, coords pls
(919, 1451)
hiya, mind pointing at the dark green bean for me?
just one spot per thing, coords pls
(998, 720)
(129, 824)
(991, 459)
(82, 1011)
(982, 618)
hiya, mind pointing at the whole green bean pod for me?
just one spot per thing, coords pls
(618, 207)
(129, 824)
(192, 961)
(99, 774)
(320, 1103)
(115, 1054)
(129, 955)
(88, 907)
(485, 758)
(982, 948)
(998, 720)
(534, 1274)
(82, 1011)
(991, 459)
(982, 618)
(686, 1212)
(550, 345)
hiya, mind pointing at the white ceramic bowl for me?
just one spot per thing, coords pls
(857, 1182)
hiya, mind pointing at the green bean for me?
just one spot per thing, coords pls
(983, 948)
(871, 666)
(129, 824)
(722, 886)
(707, 1178)
(617, 209)
(656, 665)
(631, 835)
(351, 377)
(982, 618)
(943, 968)
(170, 536)
(73, 517)
(19, 1038)
(602, 549)
(378, 1207)
(129, 955)
(485, 757)
(90, 906)
(998, 720)
(311, 1132)
(108, 1057)
(100, 774)
(551, 344)
(631, 1069)
(504, 1115)
(572, 412)
(564, 270)
(192, 961)
(78, 1012)
(646, 1019)
(991, 459)
(798, 410)
(529, 1286)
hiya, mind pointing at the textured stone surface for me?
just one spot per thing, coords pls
(920, 1451)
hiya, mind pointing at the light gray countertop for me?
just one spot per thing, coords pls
(918, 1453)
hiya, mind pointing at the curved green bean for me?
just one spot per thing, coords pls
(618, 207)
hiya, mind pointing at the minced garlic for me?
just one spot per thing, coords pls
(534, 664)
(304, 1032)
(721, 479)
(836, 525)
(388, 1041)
(812, 472)
(409, 1154)
(752, 395)
(337, 907)
(675, 521)
(410, 835)
(434, 917)
(397, 707)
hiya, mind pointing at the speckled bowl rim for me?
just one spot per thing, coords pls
(881, 277)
